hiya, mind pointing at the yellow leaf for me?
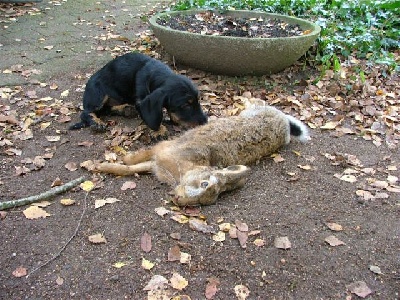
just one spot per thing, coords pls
(87, 186)
(180, 218)
(65, 93)
(219, 236)
(67, 201)
(119, 265)
(185, 258)
(259, 242)
(35, 212)
(146, 264)
(304, 167)
(225, 227)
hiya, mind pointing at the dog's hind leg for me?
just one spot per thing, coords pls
(124, 170)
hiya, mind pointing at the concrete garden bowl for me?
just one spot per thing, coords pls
(235, 56)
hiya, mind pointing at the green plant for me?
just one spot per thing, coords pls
(361, 28)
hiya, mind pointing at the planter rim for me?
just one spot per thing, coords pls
(316, 29)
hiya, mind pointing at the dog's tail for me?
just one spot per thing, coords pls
(298, 129)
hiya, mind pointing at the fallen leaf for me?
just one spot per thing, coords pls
(375, 269)
(174, 253)
(334, 226)
(156, 282)
(200, 225)
(119, 265)
(333, 241)
(56, 182)
(178, 217)
(35, 212)
(359, 288)
(101, 202)
(304, 167)
(59, 280)
(175, 235)
(67, 201)
(145, 242)
(242, 292)
(162, 211)
(64, 94)
(211, 287)
(87, 186)
(242, 237)
(348, 178)
(241, 226)
(278, 158)
(42, 204)
(259, 242)
(146, 264)
(178, 282)
(185, 258)
(225, 227)
(71, 166)
(20, 272)
(97, 239)
(128, 185)
(53, 138)
(282, 243)
(219, 236)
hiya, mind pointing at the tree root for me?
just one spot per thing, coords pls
(48, 194)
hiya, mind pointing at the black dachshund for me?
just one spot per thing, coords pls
(136, 82)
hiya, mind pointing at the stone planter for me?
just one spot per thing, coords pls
(235, 56)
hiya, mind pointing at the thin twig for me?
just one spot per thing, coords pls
(45, 195)
(67, 243)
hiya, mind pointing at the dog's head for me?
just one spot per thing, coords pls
(202, 185)
(180, 98)
(183, 104)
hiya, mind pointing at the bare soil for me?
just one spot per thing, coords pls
(297, 197)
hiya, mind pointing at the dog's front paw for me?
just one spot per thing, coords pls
(160, 134)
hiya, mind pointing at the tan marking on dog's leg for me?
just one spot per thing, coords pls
(124, 170)
(125, 110)
(160, 133)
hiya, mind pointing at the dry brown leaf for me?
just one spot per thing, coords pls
(278, 158)
(35, 212)
(233, 232)
(145, 242)
(333, 241)
(334, 226)
(305, 167)
(56, 182)
(161, 211)
(242, 237)
(359, 288)
(53, 138)
(225, 227)
(282, 243)
(211, 287)
(200, 225)
(174, 253)
(20, 272)
(101, 202)
(128, 185)
(178, 282)
(71, 166)
(97, 239)
(241, 226)
(156, 282)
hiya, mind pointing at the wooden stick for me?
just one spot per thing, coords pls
(48, 194)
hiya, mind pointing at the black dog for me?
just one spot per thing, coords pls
(135, 81)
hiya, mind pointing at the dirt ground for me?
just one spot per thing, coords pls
(309, 193)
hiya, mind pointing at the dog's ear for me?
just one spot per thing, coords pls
(151, 108)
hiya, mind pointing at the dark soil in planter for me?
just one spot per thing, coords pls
(209, 23)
